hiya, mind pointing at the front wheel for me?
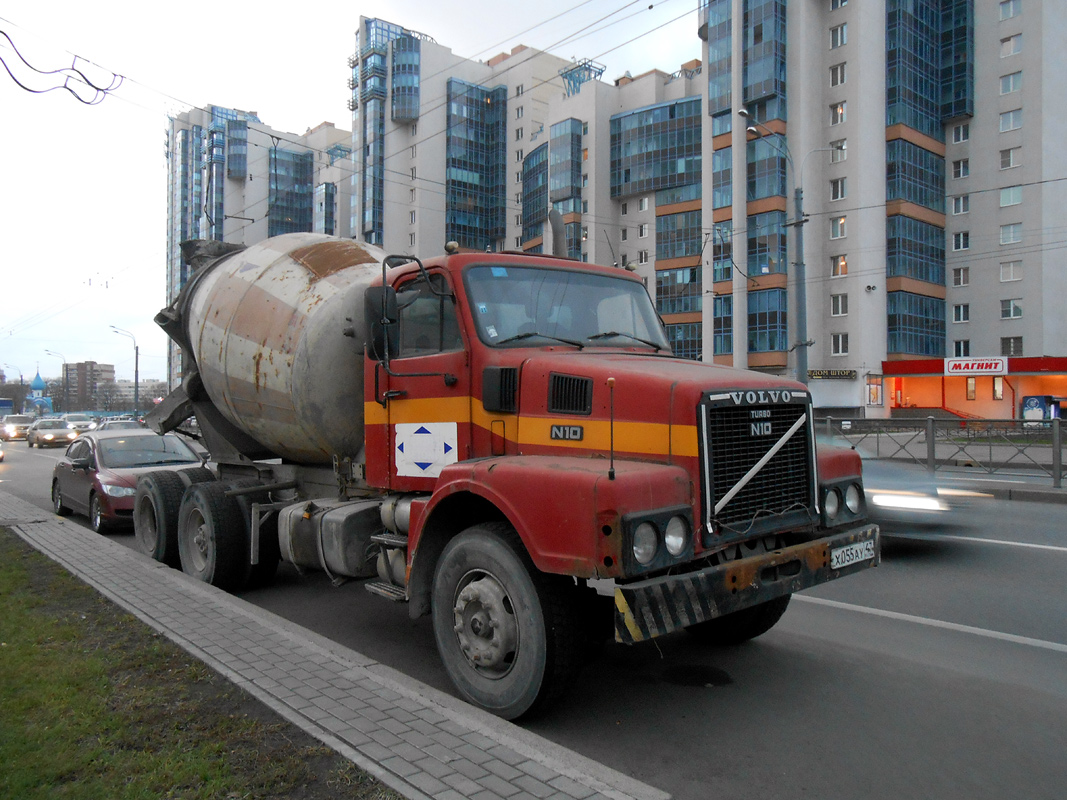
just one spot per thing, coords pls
(96, 515)
(740, 626)
(507, 634)
(61, 508)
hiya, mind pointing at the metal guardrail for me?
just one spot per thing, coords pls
(987, 444)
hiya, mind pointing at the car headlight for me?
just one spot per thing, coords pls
(676, 537)
(119, 491)
(832, 503)
(645, 543)
(852, 498)
(49, 436)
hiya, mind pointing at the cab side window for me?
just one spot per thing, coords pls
(428, 320)
(80, 450)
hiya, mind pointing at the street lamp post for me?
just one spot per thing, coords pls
(136, 369)
(802, 343)
(66, 390)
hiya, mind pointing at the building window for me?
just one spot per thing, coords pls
(1010, 8)
(1011, 271)
(412, 151)
(961, 312)
(838, 189)
(838, 151)
(1012, 45)
(837, 227)
(961, 276)
(1011, 157)
(518, 155)
(642, 204)
(413, 173)
(414, 129)
(838, 35)
(1011, 196)
(1011, 345)
(622, 210)
(411, 218)
(412, 197)
(971, 381)
(961, 204)
(1011, 120)
(961, 240)
(1011, 233)
(961, 348)
(837, 113)
(624, 234)
(961, 168)
(961, 133)
(642, 256)
(839, 305)
(1011, 83)
(838, 266)
(518, 134)
(519, 90)
(837, 74)
(411, 240)
(836, 4)
(518, 112)
(1011, 309)
(585, 180)
(642, 230)
(839, 344)
(998, 387)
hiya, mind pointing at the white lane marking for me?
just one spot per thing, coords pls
(942, 537)
(936, 623)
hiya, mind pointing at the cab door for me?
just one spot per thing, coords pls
(427, 385)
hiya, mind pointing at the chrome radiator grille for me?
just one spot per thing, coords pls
(737, 437)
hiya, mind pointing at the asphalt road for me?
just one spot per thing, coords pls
(941, 674)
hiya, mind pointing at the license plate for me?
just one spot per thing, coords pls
(851, 554)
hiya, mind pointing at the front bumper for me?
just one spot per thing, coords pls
(656, 606)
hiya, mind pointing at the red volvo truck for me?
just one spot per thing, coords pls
(501, 440)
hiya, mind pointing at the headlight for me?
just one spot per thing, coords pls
(852, 498)
(645, 542)
(832, 503)
(119, 491)
(49, 436)
(676, 537)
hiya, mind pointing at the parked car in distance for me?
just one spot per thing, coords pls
(80, 422)
(50, 432)
(14, 426)
(119, 425)
(97, 476)
(1, 450)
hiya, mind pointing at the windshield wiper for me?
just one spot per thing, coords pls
(519, 336)
(628, 336)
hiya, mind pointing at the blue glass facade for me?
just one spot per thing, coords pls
(915, 175)
(678, 235)
(767, 243)
(957, 58)
(407, 63)
(325, 203)
(722, 178)
(722, 251)
(678, 291)
(723, 325)
(237, 149)
(684, 338)
(767, 321)
(916, 324)
(475, 164)
(290, 204)
(913, 65)
(915, 249)
(657, 147)
(535, 194)
(764, 56)
(565, 176)
(766, 168)
(717, 17)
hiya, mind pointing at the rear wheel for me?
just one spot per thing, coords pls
(740, 626)
(507, 634)
(212, 537)
(155, 516)
(61, 508)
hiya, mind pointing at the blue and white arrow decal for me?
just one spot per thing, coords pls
(423, 449)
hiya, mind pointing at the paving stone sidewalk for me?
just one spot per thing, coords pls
(421, 742)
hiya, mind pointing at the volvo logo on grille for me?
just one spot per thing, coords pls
(762, 396)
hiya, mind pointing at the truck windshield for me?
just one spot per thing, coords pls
(519, 306)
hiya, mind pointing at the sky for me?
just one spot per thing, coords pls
(83, 206)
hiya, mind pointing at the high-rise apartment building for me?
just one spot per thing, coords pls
(234, 179)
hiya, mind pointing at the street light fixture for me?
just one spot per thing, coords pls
(803, 342)
(136, 368)
(66, 389)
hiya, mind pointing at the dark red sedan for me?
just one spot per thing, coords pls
(97, 475)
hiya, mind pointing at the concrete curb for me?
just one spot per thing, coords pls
(421, 742)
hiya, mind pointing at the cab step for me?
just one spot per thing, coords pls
(387, 590)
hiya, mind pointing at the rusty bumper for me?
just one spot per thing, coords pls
(661, 605)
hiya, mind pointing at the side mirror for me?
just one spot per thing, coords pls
(81, 463)
(380, 314)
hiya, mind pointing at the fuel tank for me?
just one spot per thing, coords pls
(275, 333)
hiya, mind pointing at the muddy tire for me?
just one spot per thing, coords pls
(155, 516)
(743, 625)
(508, 635)
(212, 537)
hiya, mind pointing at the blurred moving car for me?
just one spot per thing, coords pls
(80, 422)
(14, 426)
(1, 451)
(119, 425)
(50, 432)
(97, 476)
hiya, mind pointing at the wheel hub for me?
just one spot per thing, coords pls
(485, 625)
